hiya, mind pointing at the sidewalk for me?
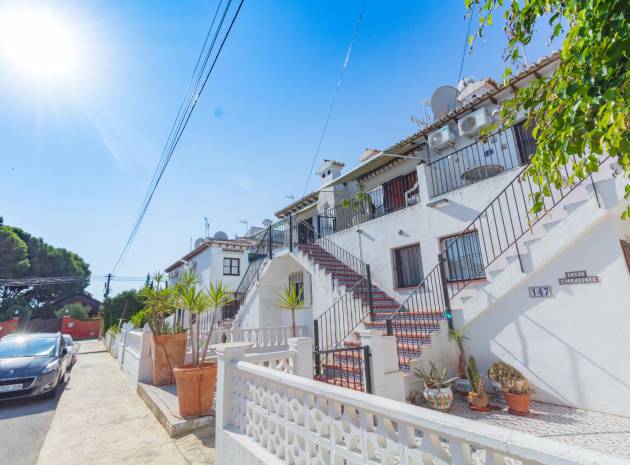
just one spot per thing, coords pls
(100, 420)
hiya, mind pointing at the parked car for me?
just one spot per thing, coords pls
(73, 350)
(32, 365)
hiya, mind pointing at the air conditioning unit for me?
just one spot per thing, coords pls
(471, 124)
(442, 138)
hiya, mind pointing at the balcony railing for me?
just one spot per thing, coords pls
(392, 196)
(488, 157)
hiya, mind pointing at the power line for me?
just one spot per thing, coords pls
(202, 79)
(334, 100)
(461, 63)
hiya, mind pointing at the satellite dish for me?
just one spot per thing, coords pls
(199, 241)
(443, 101)
(220, 236)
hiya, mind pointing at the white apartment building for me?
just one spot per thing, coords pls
(437, 232)
(213, 260)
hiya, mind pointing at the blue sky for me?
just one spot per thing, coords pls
(78, 153)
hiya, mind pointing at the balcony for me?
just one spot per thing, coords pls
(394, 195)
(486, 158)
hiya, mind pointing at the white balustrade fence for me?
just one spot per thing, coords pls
(267, 416)
(137, 356)
(260, 338)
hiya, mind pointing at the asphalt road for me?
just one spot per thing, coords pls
(23, 427)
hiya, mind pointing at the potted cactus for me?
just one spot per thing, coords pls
(437, 387)
(462, 384)
(515, 388)
(477, 397)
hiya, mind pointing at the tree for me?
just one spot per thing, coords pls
(25, 256)
(13, 254)
(121, 306)
(75, 311)
(578, 115)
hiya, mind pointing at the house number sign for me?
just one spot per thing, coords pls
(536, 292)
(577, 277)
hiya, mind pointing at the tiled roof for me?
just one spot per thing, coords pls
(406, 145)
(299, 204)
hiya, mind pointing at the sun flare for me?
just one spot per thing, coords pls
(37, 42)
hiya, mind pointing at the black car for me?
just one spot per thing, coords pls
(32, 365)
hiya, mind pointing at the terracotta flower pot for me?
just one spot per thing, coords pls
(195, 389)
(167, 352)
(518, 404)
(439, 399)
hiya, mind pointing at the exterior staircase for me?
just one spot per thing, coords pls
(344, 366)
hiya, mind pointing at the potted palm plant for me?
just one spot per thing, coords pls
(462, 383)
(291, 299)
(514, 386)
(437, 387)
(196, 381)
(477, 397)
(168, 342)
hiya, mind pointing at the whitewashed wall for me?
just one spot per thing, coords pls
(261, 309)
(209, 267)
(572, 346)
(374, 240)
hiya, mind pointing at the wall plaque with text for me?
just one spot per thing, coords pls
(577, 277)
(536, 292)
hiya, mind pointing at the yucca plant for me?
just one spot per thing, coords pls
(159, 304)
(459, 336)
(291, 299)
(197, 301)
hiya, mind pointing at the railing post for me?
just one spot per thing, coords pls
(447, 301)
(367, 367)
(389, 326)
(290, 233)
(316, 356)
(368, 276)
(270, 244)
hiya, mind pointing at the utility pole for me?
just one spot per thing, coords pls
(207, 227)
(109, 278)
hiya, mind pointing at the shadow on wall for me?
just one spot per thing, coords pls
(569, 346)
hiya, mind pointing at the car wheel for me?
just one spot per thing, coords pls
(54, 391)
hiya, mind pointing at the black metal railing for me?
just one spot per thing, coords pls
(229, 310)
(392, 196)
(497, 229)
(492, 155)
(354, 263)
(349, 367)
(339, 320)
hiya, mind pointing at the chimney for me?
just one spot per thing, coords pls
(368, 153)
(329, 170)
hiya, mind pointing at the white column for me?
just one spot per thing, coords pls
(387, 379)
(226, 354)
(303, 361)
(425, 181)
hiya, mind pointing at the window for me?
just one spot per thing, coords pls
(525, 142)
(463, 257)
(625, 246)
(231, 266)
(397, 191)
(297, 279)
(408, 266)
